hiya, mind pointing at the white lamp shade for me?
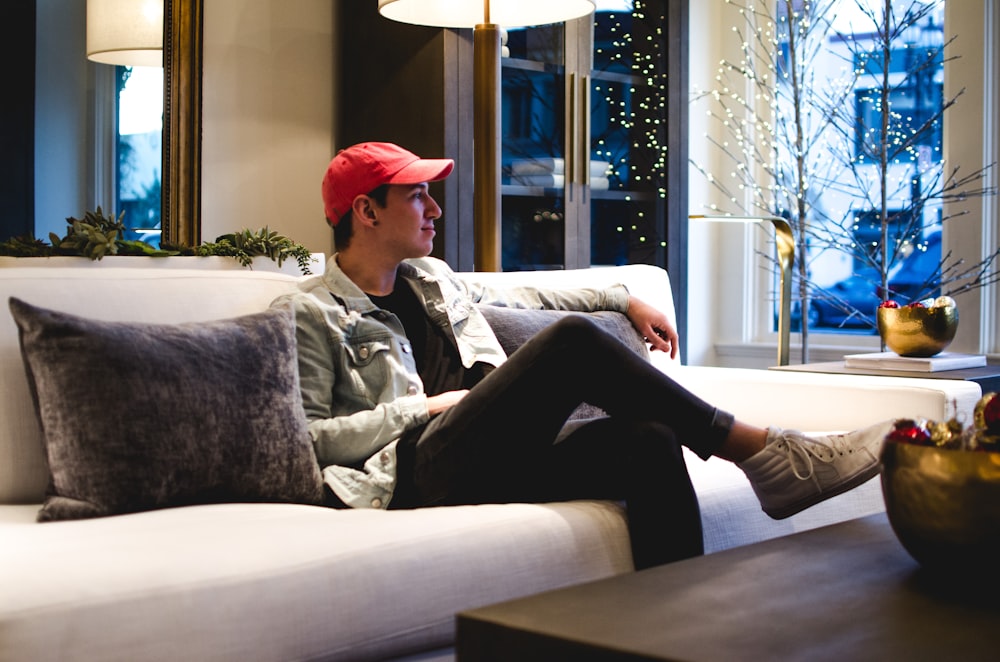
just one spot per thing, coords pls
(125, 32)
(469, 13)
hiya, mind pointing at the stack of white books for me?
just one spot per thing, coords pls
(550, 172)
(893, 361)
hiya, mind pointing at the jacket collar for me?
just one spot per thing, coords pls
(353, 297)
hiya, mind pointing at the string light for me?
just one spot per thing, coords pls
(629, 86)
(635, 145)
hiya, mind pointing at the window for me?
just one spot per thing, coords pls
(845, 262)
(734, 324)
(138, 150)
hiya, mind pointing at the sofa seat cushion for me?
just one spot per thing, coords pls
(817, 402)
(284, 581)
(138, 416)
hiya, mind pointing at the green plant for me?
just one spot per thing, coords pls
(25, 247)
(246, 245)
(93, 236)
(97, 235)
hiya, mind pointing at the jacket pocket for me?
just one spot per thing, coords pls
(365, 352)
(369, 365)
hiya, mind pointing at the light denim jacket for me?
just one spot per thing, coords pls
(358, 377)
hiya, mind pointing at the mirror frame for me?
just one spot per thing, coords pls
(182, 88)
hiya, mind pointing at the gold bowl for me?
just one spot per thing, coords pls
(943, 504)
(917, 331)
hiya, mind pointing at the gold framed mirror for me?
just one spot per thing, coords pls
(182, 66)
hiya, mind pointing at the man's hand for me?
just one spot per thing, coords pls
(438, 403)
(654, 326)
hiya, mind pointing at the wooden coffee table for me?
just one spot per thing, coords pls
(843, 592)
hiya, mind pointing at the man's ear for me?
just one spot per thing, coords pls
(364, 210)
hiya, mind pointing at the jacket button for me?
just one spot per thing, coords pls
(363, 352)
(412, 390)
(384, 457)
(406, 348)
(376, 503)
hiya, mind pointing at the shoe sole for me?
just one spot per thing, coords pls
(802, 504)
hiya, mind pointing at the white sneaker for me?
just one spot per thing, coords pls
(794, 472)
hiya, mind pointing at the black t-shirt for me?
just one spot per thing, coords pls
(438, 362)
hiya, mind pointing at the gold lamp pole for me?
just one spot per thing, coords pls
(486, 143)
(486, 88)
(786, 257)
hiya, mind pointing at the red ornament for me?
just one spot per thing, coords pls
(916, 304)
(889, 303)
(991, 413)
(910, 432)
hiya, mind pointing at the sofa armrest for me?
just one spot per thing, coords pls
(824, 402)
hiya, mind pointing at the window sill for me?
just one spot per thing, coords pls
(764, 355)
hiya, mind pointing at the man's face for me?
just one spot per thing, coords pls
(407, 221)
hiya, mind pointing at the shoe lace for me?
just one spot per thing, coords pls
(805, 449)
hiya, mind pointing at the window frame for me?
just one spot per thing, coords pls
(733, 276)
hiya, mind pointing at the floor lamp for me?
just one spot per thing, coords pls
(786, 257)
(125, 32)
(486, 18)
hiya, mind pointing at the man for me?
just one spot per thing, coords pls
(412, 401)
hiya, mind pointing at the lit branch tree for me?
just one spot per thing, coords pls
(893, 157)
(776, 119)
(799, 146)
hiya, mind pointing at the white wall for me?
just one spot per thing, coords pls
(965, 125)
(62, 141)
(267, 134)
(720, 280)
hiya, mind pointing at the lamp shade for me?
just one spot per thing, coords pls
(125, 32)
(469, 13)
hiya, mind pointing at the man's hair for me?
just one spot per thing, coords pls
(344, 229)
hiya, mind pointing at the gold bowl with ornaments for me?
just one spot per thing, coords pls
(941, 485)
(921, 329)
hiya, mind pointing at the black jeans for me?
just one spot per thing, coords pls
(508, 440)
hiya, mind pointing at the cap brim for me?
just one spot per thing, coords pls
(423, 170)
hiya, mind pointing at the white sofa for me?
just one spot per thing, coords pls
(238, 581)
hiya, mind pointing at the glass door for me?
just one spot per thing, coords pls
(533, 152)
(626, 129)
(583, 138)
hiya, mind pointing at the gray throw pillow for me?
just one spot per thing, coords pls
(513, 326)
(141, 416)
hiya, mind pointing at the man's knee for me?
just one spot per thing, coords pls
(578, 329)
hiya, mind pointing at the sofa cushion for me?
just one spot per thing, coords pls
(260, 582)
(513, 326)
(141, 416)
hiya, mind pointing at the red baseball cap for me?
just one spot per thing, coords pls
(364, 167)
